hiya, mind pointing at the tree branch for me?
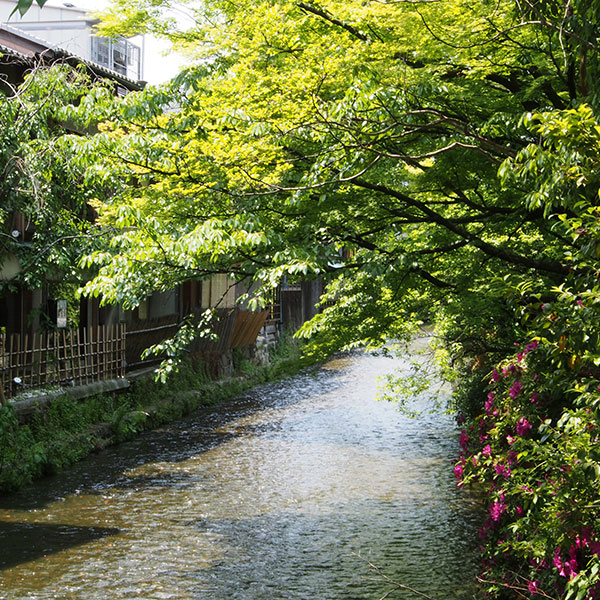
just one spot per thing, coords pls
(549, 266)
(319, 12)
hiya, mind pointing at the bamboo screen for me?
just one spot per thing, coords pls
(63, 357)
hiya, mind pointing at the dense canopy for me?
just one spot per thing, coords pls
(356, 141)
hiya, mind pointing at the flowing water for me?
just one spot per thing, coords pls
(304, 489)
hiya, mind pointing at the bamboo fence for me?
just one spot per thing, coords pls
(63, 357)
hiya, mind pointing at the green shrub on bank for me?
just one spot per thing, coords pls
(21, 456)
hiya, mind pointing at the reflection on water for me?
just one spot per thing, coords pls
(287, 493)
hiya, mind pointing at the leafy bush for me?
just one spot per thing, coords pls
(534, 449)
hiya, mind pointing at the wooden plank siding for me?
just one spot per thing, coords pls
(247, 327)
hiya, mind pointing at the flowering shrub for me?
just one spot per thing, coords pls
(540, 472)
(534, 449)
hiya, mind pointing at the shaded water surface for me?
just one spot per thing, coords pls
(287, 493)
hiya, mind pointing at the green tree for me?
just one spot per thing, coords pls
(374, 130)
(24, 5)
(41, 180)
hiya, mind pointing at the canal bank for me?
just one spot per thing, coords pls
(45, 432)
(289, 491)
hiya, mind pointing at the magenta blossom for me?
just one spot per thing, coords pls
(566, 568)
(497, 509)
(464, 439)
(523, 427)
(487, 450)
(458, 472)
(531, 346)
(533, 587)
(585, 540)
(595, 547)
(515, 390)
(502, 470)
(495, 375)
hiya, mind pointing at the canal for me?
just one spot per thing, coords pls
(295, 491)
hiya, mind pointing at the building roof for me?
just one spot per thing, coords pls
(28, 51)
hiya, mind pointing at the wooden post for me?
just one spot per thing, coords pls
(123, 350)
(89, 355)
(18, 355)
(113, 351)
(76, 345)
(26, 377)
(102, 374)
(56, 356)
(2, 368)
(85, 355)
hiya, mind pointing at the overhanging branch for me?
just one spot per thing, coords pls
(549, 266)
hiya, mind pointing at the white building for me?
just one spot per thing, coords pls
(63, 25)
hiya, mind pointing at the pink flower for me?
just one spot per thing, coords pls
(489, 403)
(523, 427)
(458, 473)
(487, 526)
(495, 375)
(519, 511)
(583, 540)
(531, 346)
(496, 510)
(595, 547)
(533, 587)
(515, 390)
(566, 568)
(535, 397)
(571, 565)
(487, 450)
(464, 439)
(502, 470)
(557, 562)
